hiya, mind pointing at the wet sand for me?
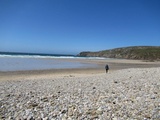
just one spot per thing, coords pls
(114, 64)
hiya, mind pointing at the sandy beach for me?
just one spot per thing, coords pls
(130, 91)
(114, 64)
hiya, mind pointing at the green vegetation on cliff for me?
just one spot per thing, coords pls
(150, 53)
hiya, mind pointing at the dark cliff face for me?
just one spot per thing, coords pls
(138, 52)
(89, 54)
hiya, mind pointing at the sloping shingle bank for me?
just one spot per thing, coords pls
(129, 94)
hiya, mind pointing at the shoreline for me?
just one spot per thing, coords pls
(114, 64)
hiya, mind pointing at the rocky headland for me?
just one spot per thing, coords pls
(148, 53)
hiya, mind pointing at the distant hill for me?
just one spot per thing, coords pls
(151, 53)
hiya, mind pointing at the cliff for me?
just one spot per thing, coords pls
(151, 53)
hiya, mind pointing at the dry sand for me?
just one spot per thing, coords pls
(130, 91)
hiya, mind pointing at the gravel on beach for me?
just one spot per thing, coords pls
(128, 94)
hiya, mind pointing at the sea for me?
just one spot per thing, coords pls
(13, 61)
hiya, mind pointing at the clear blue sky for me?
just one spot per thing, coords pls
(72, 26)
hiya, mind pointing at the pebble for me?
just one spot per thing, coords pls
(90, 97)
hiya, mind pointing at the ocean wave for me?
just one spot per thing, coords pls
(40, 56)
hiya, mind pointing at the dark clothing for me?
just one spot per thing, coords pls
(107, 68)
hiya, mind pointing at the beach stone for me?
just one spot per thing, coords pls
(46, 118)
(99, 111)
(64, 117)
(33, 104)
(44, 99)
(94, 117)
(30, 117)
(94, 87)
(64, 111)
(70, 111)
(8, 95)
(115, 81)
(114, 118)
(69, 118)
(153, 97)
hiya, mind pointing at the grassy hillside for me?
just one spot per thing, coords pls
(150, 53)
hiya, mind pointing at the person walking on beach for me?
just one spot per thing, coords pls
(107, 68)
